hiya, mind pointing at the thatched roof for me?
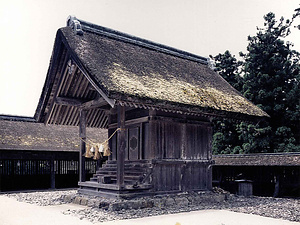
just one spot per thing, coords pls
(24, 134)
(139, 73)
(271, 159)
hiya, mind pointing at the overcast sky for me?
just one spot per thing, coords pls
(203, 27)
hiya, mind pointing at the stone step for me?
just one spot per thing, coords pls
(139, 166)
(113, 171)
(133, 176)
(126, 168)
(113, 181)
(126, 177)
(130, 162)
(95, 188)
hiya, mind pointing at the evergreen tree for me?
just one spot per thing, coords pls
(270, 79)
(229, 68)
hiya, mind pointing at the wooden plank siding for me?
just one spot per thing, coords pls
(177, 176)
(177, 140)
(182, 159)
(179, 149)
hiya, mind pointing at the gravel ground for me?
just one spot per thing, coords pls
(281, 208)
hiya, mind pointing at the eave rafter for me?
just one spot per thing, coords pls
(72, 92)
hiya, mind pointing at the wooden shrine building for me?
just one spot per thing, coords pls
(159, 99)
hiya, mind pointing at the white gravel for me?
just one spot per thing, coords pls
(281, 208)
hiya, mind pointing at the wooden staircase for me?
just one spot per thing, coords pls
(137, 179)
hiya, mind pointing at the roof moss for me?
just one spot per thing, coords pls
(126, 69)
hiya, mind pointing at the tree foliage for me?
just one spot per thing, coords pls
(269, 76)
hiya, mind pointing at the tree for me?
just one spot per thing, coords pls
(229, 68)
(270, 80)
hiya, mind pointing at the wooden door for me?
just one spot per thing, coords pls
(133, 143)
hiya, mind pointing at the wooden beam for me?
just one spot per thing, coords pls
(95, 103)
(68, 101)
(82, 135)
(121, 147)
(130, 122)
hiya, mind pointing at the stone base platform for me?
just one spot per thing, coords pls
(160, 201)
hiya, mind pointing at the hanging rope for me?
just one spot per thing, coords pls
(95, 149)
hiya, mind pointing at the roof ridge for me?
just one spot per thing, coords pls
(17, 118)
(257, 154)
(80, 25)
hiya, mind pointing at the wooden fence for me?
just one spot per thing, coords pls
(279, 181)
(41, 171)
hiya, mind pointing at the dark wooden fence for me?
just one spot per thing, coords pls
(265, 179)
(24, 170)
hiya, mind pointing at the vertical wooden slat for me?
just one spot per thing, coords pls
(88, 118)
(145, 147)
(183, 141)
(141, 155)
(75, 120)
(114, 143)
(163, 134)
(72, 110)
(52, 173)
(159, 175)
(102, 123)
(100, 116)
(210, 135)
(92, 117)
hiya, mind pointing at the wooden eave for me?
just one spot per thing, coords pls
(68, 89)
(206, 114)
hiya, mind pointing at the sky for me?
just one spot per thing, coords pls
(202, 27)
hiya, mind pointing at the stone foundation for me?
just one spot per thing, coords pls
(162, 201)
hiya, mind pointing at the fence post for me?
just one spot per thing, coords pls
(52, 173)
(82, 135)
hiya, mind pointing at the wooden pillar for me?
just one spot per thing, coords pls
(82, 135)
(121, 146)
(52, 173)
(152, 142)
(112, 141)
(209, 157)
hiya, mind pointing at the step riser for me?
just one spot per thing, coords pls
(137, 173)
(142, 161)
(125, 177)
(128, 166)
(114, 181)
(126, 169)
